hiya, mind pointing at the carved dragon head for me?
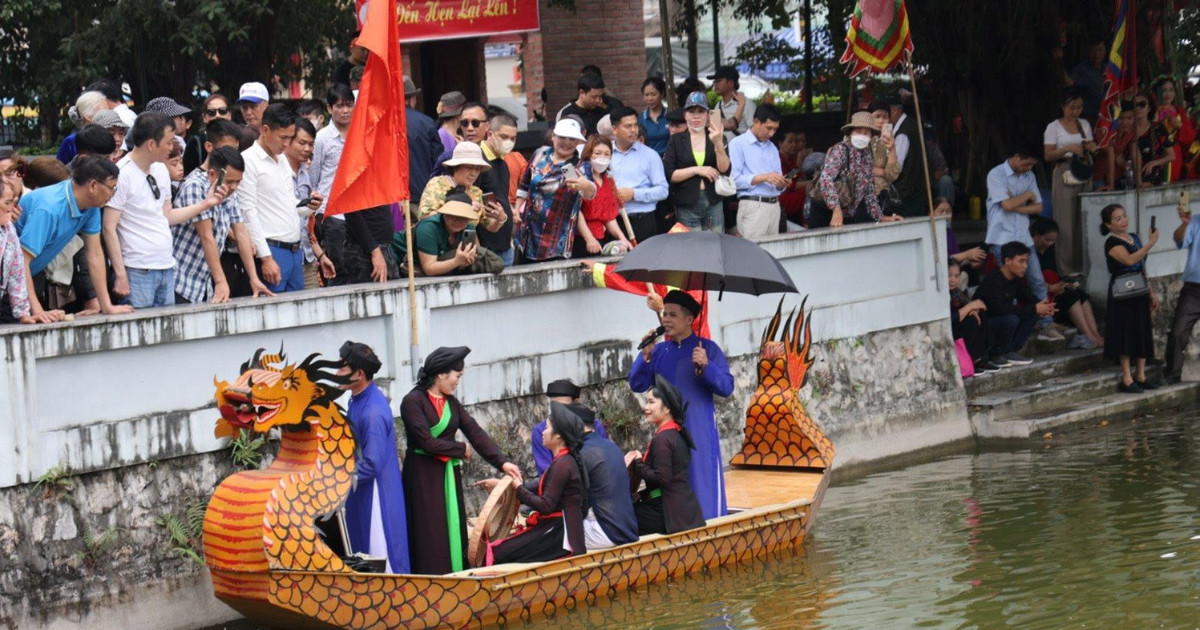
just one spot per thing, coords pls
(270, 392)
(792, 346)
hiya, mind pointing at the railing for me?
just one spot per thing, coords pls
(103, 392)
(1141, 205)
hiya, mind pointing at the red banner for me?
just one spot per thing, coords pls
(422, 20)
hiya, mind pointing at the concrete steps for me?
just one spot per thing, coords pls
(1059, 391)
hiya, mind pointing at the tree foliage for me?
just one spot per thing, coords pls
(50, 49)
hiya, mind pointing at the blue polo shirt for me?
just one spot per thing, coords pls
(50, 216)
(1003, 183)
(1191, 240)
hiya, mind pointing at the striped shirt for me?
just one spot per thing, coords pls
(193, 279)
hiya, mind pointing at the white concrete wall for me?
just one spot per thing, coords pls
(103, 392)
(1164, 260)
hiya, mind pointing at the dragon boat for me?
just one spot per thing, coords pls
(269, 562)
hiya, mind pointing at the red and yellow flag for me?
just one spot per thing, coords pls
(878, 36)
(1120, 73)
(373, 170)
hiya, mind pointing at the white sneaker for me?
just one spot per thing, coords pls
(1049, 334)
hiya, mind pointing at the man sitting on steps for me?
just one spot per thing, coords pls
(1012, 308)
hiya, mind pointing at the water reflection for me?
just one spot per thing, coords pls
(1100, 532)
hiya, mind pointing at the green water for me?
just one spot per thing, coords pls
(1101, 532)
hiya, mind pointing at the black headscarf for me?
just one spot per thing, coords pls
(568, 425)
(673, 400)
(360, 356)
(441, 361)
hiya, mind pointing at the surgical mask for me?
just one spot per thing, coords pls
(860, 141)
(696, 128)
(504, 147)
(600, 164)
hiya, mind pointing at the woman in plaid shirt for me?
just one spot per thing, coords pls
(547, 201)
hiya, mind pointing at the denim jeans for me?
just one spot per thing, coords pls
(1008, 333)
(507, 256)
(291, 270)
(1037, 282)
(702, 216)
(150, 287)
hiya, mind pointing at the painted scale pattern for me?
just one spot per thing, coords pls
(260, 520)
(779, 431)
(362, 601)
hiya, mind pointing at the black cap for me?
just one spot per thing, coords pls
(563, 387)
(725, 72)
(684, 300)
(587, 415)
(360, 356)
(676, 116)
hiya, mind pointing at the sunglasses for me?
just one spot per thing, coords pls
(153, 186)
(216, 111)
(471, 123)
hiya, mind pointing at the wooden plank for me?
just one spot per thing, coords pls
(749, 488)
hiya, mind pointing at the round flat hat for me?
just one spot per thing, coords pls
(496, 519)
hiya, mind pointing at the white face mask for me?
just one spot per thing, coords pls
(504, 147)
(696, 128)
(860, 141)
(600, 164)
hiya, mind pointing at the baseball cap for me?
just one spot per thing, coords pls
(676, 116)
(568, 128)
(253, 92)
(696, 99)
(725, 72)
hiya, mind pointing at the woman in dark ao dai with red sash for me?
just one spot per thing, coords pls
(667, 505)
(437, 522)
(559, 498)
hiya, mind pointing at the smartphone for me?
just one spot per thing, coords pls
(1153, 223)
(220, 179)
(569, 172)
(887, 129)
(470, 237)
(304, 202)
(1185, 202)
(489, 198)
(792, 174)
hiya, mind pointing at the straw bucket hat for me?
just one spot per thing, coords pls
(861, 120)
(467, 153)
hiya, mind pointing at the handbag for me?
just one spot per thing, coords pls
(965, 364)
(724, 186)
(1130, 285)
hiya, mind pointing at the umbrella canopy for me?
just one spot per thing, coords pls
(706, 261)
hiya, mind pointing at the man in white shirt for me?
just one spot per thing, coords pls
(737, 111)
(269, 203)
(137, 220)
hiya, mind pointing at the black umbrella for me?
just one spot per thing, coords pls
(706, 261)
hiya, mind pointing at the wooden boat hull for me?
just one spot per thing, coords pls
(483, 597)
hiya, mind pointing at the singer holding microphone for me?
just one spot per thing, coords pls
(697, 367)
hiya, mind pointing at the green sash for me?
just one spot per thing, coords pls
(450, 488)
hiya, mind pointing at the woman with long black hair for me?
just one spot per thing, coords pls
(559, 498)
(667, 505)
(437, 522)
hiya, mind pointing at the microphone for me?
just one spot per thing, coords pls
(658, 332)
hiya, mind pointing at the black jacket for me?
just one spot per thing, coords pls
(678, 156)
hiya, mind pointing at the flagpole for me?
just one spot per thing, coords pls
(414, 348)
(912, 77)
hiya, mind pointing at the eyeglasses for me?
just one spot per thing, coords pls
(1142, 104)
(471, 123)
(216, 111)
(112, 190)
(153, 186)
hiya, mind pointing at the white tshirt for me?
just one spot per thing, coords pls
(1058, 136)
(143, 230)
(268, 199)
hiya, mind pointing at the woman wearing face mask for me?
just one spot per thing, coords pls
(845, 191)
(693, 162)
(599, 225)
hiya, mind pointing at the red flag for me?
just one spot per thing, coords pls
(878, 36)
(1120, 73)
(373, 170)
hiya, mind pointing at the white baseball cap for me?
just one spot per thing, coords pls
(253, 92)
(568, 128)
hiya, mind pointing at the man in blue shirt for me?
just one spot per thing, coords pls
(1187, 309)
(638, 173)
(1013, 197)
(53, 215)
(758, 174)
(565, 392)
